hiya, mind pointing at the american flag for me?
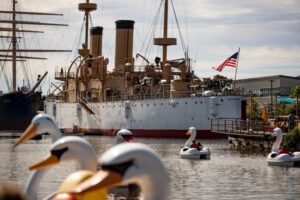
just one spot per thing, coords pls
(230, 62)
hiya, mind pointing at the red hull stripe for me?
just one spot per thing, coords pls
(205, 134)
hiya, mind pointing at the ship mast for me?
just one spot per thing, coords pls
(14, 47)
(86, 7)
(14, 30)
(165, 33)
(165, 41)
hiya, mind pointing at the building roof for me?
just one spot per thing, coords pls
(270, 77)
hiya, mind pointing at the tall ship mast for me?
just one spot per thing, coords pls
(21, 102)
(160, 98)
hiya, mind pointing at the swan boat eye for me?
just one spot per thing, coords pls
(59, 152)
(119, 168)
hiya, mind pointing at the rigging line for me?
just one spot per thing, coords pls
(8, 79)
(187, 24)
(24, 65)
(2, 66)
(66, 31)
(152, 33)
(152, 27)
(147, 8)
(109, 49)
(77, 44)
(144, 18)
(180, 34)
(4, 74)
(90, 17)
(58, 39)
(160, 32)
(151, 9)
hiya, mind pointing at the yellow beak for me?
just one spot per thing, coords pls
(29, 133)
(50, 161)
(101, 180)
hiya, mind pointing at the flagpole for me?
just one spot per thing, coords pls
(237, 64)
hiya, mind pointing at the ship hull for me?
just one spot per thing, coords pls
(149, 117)
(204, 134)
(17, 110)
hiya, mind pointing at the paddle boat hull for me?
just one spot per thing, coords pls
(193, 153)
(284, 159)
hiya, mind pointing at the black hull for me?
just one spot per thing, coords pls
(17, 110)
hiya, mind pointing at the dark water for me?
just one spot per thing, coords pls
(229, 174)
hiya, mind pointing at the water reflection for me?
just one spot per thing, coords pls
(229, 174)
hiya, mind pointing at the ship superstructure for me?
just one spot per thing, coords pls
(162, 98)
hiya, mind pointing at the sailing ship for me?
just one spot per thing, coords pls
(158, 99)
(20, 103)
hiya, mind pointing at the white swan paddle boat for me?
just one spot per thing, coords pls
(63, 149)
(282, 159)
(40, 124)
(71, 148)
(130, 163)
(124, 135)
(193, 153)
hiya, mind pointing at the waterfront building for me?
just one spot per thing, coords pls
(269, 90)
(267, 86)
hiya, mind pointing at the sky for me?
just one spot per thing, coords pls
(267, 33)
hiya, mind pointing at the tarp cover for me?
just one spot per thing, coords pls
(286, 100)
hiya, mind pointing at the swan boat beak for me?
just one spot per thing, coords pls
(50, 161)
(29, 133)
(102, 179)
(188, 132)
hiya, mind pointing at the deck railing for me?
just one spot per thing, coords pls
(160, 95)
(156, 95)
(237, 126)
(63, 75)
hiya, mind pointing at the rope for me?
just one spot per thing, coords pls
(152, 31)
(179, 31)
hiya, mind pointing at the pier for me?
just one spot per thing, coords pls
(244, 133)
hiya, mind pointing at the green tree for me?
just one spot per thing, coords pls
(252, 109)
(282, 109)
(292, 138)
(295, 93)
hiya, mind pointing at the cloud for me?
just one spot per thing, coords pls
(267, 32)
